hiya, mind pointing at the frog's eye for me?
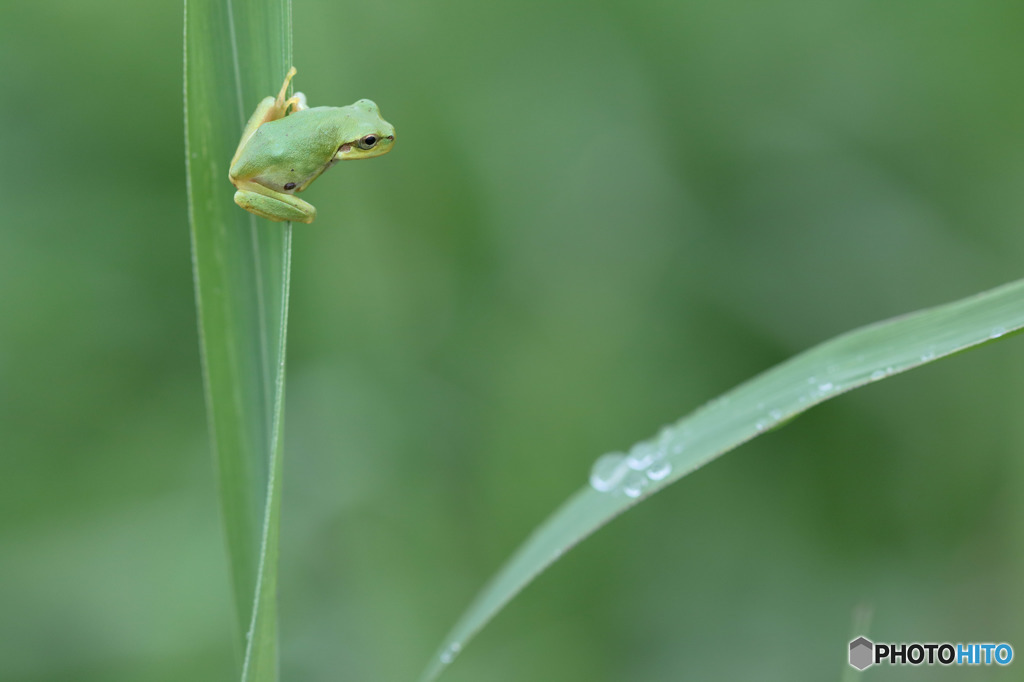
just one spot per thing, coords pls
(368, 141)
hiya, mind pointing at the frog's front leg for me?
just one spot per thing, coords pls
(273, 205)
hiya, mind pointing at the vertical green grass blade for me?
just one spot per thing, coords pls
(235, 54)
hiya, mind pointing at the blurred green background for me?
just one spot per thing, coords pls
(598, 215)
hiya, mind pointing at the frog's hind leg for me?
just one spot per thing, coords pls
(269, 109)
(266, 111)
(276, 206)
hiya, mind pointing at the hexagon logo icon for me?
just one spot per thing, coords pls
(861, 650)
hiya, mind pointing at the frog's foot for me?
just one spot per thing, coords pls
(284, 87)
(275, 206)
(297, 102)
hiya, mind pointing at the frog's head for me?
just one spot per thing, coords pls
(366, 133)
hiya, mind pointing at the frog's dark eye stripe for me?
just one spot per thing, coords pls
(368, 142)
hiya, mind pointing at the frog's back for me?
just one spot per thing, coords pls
(289, 153)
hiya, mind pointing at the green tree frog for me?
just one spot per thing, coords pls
(281, 153)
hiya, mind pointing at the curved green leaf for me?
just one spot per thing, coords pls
(767, 401)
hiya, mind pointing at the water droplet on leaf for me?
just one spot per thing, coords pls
(607, 471)
(635, 483)
(448, 655)
(641, 456)
(659, 470)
